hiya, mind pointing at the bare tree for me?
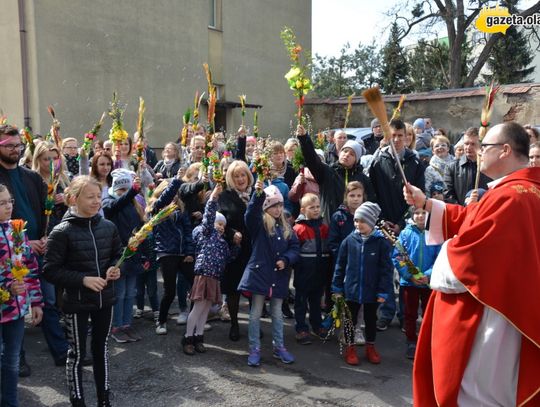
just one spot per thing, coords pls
(457, 17)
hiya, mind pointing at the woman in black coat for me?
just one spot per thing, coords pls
(233, 204)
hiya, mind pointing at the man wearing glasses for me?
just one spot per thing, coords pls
(29, 191)
(460, 176)
(480, 339)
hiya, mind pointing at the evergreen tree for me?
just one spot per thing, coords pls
(394, 71)
(510, 59)
(331, 75)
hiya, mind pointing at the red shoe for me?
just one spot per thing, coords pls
(350, 355)
(372, 355)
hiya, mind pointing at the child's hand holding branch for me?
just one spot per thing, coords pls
(218, 189)
(113, 273)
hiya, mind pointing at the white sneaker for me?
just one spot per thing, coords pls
(138, 313)
(359, 337)
(182, 318)
(161, 329)
(224, 313)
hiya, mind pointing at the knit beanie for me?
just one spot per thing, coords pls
(121, 179)
(375, 122)
(273, 196)
(220, 218)
(368, 213)
(356, 147)
(419, 123)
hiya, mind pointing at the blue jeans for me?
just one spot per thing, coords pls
(302, 299)
(12, 334)
(50, 325)
(254, 328)
(125, 291)
(388, 309)
(147, 281)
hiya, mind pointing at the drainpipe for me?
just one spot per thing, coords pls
(24, 64)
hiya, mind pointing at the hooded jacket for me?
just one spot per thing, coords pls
(364, 269)
(388, 184)
(77, 248)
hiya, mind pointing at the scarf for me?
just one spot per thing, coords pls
(244, 196)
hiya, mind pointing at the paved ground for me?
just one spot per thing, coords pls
(154, 372)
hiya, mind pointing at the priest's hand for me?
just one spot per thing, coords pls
(414, 196)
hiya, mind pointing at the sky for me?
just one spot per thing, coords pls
(337, 21)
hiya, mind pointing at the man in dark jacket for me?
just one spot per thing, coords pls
(29, 192)
(331, 156)
(460, 176)
(388, 185)
(373, 140)
(333, 179)
(386, 179)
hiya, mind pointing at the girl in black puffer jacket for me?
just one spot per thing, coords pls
(80, 257)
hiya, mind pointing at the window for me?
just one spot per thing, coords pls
(213, 14)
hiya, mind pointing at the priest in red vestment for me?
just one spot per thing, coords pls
(479, 344)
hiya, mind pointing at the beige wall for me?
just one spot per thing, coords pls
(11, 102)
(80, 51)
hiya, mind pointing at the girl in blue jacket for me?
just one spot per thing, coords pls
(363, 275)
(174, 245)
(122, 209)
(275, 248)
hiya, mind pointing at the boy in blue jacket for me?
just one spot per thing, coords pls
(415, 287)
(363, 274)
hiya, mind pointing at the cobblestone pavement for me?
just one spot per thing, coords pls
(154, 372)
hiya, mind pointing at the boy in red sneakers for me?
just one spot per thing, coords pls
(363, 274)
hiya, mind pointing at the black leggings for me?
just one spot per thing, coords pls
(370, 319)
(170, 266)
(77, 325)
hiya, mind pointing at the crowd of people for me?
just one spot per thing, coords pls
(318, 223)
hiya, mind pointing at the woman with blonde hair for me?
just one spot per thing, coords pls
(410, 137)
(233, 203)
(47, 157)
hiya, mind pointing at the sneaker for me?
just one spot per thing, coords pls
(382, 325)
(372, 355)
(182, 318)
(411, 351)
(303, 338)
(287, 313)
(321, 333)
(283, 354)
(224, 313)
(138, 313)
(254, 357)
(120, 336)
(161, 329)
(132, 334)
(24, 368)
(351, 358)
(156, 316)
(359, 337)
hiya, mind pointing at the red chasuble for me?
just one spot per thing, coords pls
(495, 254)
